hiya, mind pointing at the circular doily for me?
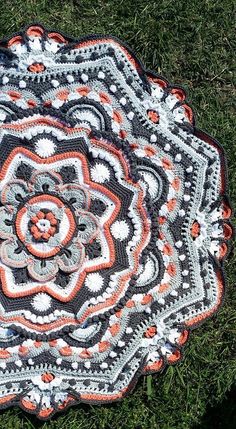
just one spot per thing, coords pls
(114, 221)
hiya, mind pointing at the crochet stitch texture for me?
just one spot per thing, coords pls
(114, 221)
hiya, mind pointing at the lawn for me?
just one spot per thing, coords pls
(190, 43)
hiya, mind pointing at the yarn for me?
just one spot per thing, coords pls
(114, 221)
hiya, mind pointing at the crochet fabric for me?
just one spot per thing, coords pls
(114, 221)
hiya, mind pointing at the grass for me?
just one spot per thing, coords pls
(190, 43)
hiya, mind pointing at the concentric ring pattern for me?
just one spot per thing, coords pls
(114, 221)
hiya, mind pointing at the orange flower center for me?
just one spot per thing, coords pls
(36, 67)
(151, 332)
(44, 225)
(47, 377)
(153, 116)
(195, 230)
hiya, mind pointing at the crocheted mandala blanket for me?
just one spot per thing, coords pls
(114, 221)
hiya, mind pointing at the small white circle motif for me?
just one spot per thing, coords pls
(41, 302)
(94, 282)
(45, 147)
(100, 173)
(120, 230)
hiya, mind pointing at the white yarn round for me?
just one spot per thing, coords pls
(45, 147)
(120, 230)
(100, 173)
(41, 302)
(94, 282)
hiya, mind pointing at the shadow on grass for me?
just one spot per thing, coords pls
(222, 416)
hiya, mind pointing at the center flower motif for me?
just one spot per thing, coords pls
(44, 232)
(44, 225)
(65, 227)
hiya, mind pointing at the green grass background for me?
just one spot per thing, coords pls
(190, 43)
